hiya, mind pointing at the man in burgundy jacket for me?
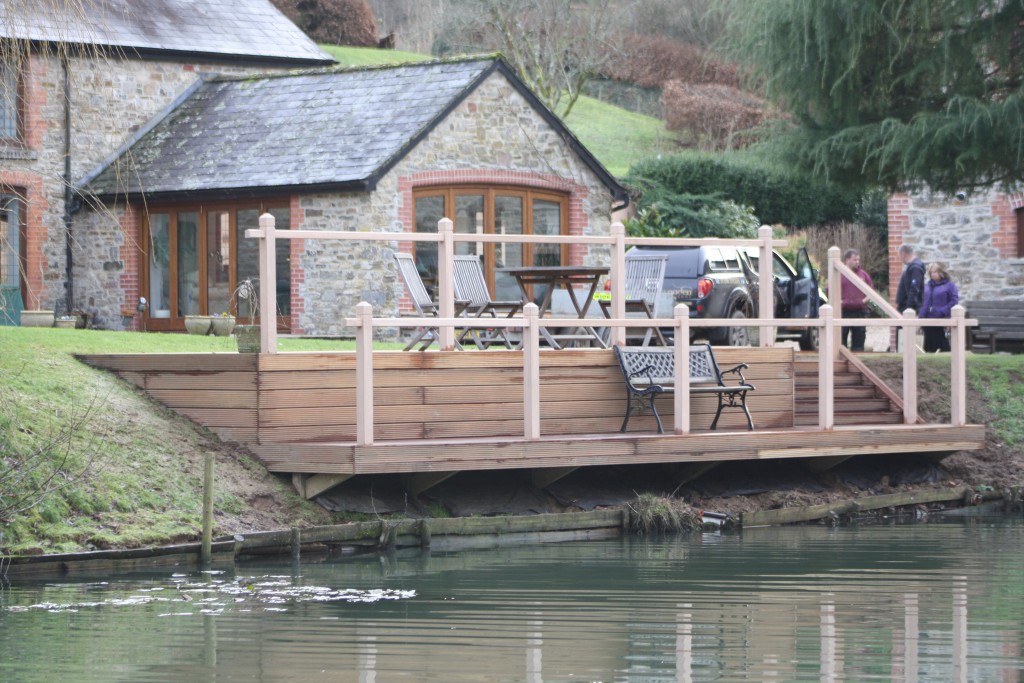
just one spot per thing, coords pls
(854, 303)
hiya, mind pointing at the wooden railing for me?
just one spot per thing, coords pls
(829, 349)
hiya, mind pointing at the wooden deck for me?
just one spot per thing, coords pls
(445, 412)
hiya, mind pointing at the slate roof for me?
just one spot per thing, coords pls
(339, 130)
(226, 29)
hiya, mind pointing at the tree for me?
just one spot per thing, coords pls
(892, 93)
(555, 46)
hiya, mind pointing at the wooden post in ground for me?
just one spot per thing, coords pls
(827, 352)
(364, 374)
(681, 398)
(958, 367)
(206, 551)
(766, 286)
(268, 285)
(835, 291)
(446, 282)
(618, 276)
(909, 370)
(531, 372)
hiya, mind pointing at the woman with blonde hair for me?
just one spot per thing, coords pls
(940, 296)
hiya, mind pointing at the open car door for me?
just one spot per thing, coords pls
(803, 289)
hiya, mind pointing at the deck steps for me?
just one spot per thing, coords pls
(858, 400)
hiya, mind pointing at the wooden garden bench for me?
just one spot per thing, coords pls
(997, 321)
(650, 371)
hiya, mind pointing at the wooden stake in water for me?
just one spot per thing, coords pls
(206, 551)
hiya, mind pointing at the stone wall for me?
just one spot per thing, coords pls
(111, 99)
(975, 237)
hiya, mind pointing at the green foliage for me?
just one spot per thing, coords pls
(778, 195)
(668, 214)
(892, 93)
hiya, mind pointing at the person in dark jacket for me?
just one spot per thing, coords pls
(910, 293)
(940, 296)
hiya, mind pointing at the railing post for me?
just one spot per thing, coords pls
(618, 276)
(909, 370)
(835, 290)
(826, 367)
(445, 282)
(958, 367)
(766, 286)
(681, 399)
(268, 285)
(531, 372)
(364, 374)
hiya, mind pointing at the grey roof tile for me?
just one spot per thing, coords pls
(319, 128)
(227, 28)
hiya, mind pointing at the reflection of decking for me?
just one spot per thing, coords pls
(445, 412)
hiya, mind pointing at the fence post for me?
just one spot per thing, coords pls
(618, 276)
(445, 282)
(268, 285)
(681, 400)
(531, 372)
(826, 366)
(958, 367)
(364, 374)
(766, 286)
(909, 370)
(835, 290)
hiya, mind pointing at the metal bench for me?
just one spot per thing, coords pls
(651, 371)
(997, 321)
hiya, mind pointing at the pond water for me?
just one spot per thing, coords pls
(917, 602)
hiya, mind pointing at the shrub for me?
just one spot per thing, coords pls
(652, 61)
(777, 194)
(713, 114)
(337, 22)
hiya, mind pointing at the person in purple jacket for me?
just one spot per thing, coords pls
(940, 296)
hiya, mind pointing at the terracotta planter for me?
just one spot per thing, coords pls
(248, 338)
(198, 324)
(37, 318)
(223, 325)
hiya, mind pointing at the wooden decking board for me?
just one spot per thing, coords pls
(180, 398)
(220, 417)
(238, 381)
(173, 362)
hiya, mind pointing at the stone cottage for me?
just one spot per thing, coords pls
(392, 148)
(76, 88)
(979, 237)
(183, 126)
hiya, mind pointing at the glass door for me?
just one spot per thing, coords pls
(508, 220)
(218, 263)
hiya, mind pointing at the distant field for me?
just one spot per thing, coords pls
(617, 137)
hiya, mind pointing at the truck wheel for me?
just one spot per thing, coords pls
(809, 339)
(738, 336)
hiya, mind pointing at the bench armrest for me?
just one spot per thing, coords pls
(738, 370)
(646, 372)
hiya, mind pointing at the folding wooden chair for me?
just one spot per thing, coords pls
(421, 301)
(471, 286)
(645, 276)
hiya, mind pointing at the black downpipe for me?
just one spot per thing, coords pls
(69, 277)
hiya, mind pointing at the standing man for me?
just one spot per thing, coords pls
(910, 292)
(854, 302)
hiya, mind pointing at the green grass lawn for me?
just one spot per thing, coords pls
(617, 137)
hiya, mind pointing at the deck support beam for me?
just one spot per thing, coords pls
(310, 486)
(418, 482)
(546, 476)
(684, 473)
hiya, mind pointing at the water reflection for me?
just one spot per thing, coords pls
(908, 604)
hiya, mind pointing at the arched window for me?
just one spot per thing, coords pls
(478, 209)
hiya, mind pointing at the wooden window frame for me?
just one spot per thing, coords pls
(489, 192)
(1019, 213)
(18, 64)
(202, 210)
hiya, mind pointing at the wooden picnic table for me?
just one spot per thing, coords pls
(586, 278)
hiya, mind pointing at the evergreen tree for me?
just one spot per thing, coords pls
(896, 93)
